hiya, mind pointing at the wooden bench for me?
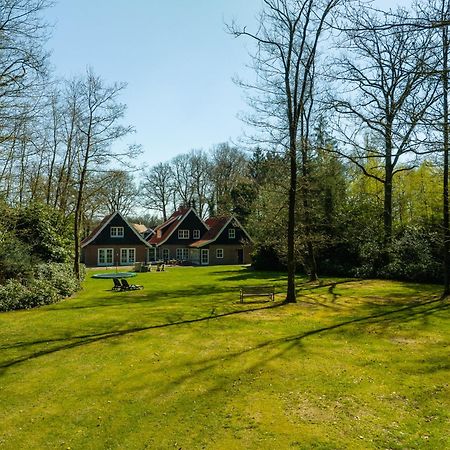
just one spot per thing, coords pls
(258, 291)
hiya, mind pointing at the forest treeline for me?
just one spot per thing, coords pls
(346, 208)
(346, 174)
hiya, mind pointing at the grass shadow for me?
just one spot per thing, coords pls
(283, 345)
(96, 337)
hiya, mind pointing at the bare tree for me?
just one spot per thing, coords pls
(98, 124)
(229, 166)
(182, 180)
(118, 192)
(65, 190)
(435, 14)
(445, 16)
(157, 188)
(385, 74)
(23, 63)
(200, 169)
(287, 43)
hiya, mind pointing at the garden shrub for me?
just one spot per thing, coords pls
(46, 231)
(414, 256)
(60, 276)
(266, 258)
(51, 283)
(16, 258)
(15, 295)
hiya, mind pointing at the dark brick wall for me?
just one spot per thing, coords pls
(129, 237)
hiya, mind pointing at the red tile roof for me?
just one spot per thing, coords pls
(215, 224)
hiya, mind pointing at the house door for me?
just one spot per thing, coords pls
(105, 257)
(205, 257)
(127, 256)
(240, 256)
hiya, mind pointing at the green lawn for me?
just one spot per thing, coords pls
(181, 364)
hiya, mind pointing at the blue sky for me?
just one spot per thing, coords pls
(175, 56)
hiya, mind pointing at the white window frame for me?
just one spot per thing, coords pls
(130, 256)
(231, 233)
(183, 234)
(165, 254)
(182, 254)
(204, 256)
(196, 234)
(219, 253)
(106, 261)
(115, 232)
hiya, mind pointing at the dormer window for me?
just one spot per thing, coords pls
(196, 234)
(231, 233)
(183, 234)
(116, 232)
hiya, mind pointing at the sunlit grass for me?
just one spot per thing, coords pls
(182, 364)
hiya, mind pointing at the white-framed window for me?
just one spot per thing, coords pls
(231, 233)
(219, 253)
(105, 256)
(183, 234)
(182, 254)
(116, 232)
(166, 254)
(204, 256)
(152, 254)
(196, 234)
(127, 256)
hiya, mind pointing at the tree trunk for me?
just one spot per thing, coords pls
(310, 257)
(445, 47)
(387, 206)
(291, 295)
(387, 211)
(79, 203)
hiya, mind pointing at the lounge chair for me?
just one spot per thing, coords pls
(117, 286)
(130, 287)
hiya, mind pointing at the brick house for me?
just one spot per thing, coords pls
(186, 237)
(115, 241)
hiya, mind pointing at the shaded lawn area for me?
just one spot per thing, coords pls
(181, 364)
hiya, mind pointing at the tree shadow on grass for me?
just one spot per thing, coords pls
(400, 314)
(283, 345)
(97, 337)
(249, 274)
(128, 298)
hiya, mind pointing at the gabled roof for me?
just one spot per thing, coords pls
(170, 225)
(102, 225)
(216, 226)
(96, 231)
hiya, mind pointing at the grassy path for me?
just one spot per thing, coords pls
(181, 364)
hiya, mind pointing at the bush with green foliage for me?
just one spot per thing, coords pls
(50, 283)
(266, 258)
(16, 258)
(15, 295)
(35, 257)
(415, 256)
(60, 276)
(46, 231)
